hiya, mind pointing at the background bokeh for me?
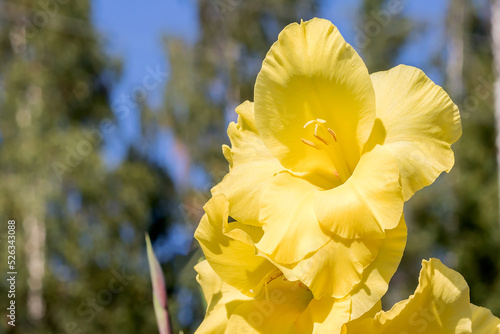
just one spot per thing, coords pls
(112, 117)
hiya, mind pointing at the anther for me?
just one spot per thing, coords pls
(305, 125)
(308, 142)
(320, 120)
(333, 134)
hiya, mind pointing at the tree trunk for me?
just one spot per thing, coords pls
(495, 32)
(34, 230)
(455, 61)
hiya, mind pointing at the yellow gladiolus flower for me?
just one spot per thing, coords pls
(285, 308)
(319, 172)
(440, 305)
(323, 160)
(253, 295)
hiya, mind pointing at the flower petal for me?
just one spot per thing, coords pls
(336, 268)
(440, 305)
(234, 261)
(325, 316)
(361, 268)
(368, 203)
(246, 144)
(379, 273)
(243, 187)
(252, 168)
(275, 314)
(222, 299)
(312, 77)
(421, 123)
(291, 230)
(483, 322)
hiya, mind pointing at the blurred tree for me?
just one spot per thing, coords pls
(80, 224)
(381, 33)
(495, 32)
(476, 241)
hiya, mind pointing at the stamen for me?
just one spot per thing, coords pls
(316, 135)
(320, 120)
(333, 134)
(308, 142)
(336, 174)
(305, 125)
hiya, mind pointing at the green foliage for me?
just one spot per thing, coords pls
(477, 238)
(381, 32)
(82, 221)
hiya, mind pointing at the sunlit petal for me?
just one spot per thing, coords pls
(234, 261)
(440, 305)
(421, 122)
(368, 203)
(221, 300)
(291, 230)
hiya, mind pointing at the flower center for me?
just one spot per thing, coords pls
(324, 138)
(321, 133)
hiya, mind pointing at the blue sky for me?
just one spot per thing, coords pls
(133, 33)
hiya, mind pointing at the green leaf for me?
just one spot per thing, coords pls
(159, 292)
